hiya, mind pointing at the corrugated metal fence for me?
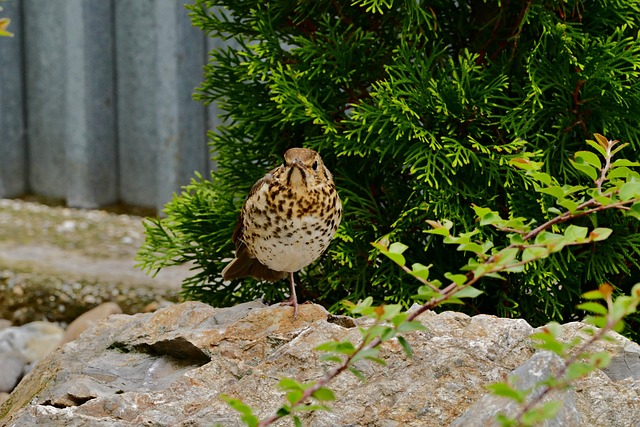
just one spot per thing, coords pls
(95, 101)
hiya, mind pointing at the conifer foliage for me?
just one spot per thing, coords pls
(417, 107)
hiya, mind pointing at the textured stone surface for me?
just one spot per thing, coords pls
(168, 368)
(540, 366)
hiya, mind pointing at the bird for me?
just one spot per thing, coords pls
(287, 221)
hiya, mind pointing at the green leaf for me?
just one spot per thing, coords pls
(593, 307)
(534, 252)
(458, 279)
(598, 321)
(441, 231)
(576, 233)
(294, 396)
(388, 311)
(283, 411)
(620, 172)
(589, 158)
(600, 233)
(587, 169)
(357, 373)
(323, 394)
(420, 271)
(471, 247)
(578, 370)
(618, 148)
(365, 353)
(342, 347)
(393, 252)
(289, 384)
(595, 294)
(405, 346)
(236, 404)
(555, 191)
(634, 210)
(525, 164)
(398, 248)
(619, 326)
(490, 219)
(600, 360)
(481, 211)
(629, 190)
(569, 204)
(553, 242)
(410, 326)
(468, 292)
(624, 163)
(395, 257)
(330, 358)
(376, 360)
(506, 256)
(546, 411)
(247, 413)
(505, 390)
(600, 148)
(541, 177)
(425, 293)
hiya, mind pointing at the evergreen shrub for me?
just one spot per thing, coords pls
(417, 107)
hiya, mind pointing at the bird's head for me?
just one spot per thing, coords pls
(303, 168)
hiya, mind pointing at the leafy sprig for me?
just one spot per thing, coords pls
(616, 186)
(578, 360)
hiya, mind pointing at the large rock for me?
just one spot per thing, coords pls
(168, 368)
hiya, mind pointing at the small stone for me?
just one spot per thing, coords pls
(67, 226)
(4, 324)
(156, 305)
(88, 319)
(13, 364)
(39, 339)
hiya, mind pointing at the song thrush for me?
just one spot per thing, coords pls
(287, 221)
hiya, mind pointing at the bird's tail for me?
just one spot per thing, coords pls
(245, 265)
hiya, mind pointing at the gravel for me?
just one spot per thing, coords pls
(58, 262)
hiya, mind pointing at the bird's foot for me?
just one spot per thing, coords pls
(293, 302)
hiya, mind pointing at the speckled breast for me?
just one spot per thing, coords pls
(287, 231)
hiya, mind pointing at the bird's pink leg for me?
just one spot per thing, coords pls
(293, 299)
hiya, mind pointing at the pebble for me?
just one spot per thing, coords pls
(22, 346)
(91, 317)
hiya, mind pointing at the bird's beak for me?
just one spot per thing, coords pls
(297, 175)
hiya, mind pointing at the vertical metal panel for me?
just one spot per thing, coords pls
(137, 83)
(45, 62)
(181, 120)
(90, 144)
(13, 150)
(107, 99)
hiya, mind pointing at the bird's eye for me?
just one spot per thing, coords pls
(314, 166)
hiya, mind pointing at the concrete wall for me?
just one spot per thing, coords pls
(95, 101)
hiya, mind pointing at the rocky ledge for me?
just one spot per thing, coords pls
(169, 367)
